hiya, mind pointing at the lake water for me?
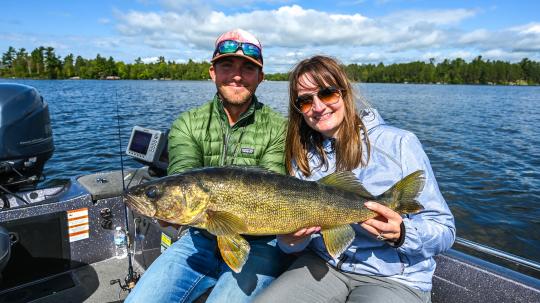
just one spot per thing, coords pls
(483, 141)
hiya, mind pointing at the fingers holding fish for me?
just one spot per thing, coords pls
(300, 235)
(383, 210)
(308, 231)
(303, 233)
(384, 231)
(385, 226)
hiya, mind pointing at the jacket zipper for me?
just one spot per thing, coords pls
(226, 137)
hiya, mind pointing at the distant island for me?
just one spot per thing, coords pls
(43, 63)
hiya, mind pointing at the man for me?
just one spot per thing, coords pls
(232, 129)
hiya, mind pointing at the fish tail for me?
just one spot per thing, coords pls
(402, 196)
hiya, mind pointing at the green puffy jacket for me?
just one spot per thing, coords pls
(203, 137)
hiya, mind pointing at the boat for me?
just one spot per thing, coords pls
(56, 243)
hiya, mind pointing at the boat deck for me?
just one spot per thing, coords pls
(89, 283)
(456, 280)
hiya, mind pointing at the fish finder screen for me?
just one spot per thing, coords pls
(140, 142)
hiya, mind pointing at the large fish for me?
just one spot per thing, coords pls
(232, 201)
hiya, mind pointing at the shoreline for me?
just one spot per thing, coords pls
(412, 83)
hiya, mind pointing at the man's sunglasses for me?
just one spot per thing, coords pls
(231, 47)
(328, 95)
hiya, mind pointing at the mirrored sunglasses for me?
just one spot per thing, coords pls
(232, 46)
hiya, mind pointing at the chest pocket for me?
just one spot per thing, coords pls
(242, 148)
(247, 150)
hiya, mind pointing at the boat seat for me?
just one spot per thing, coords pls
(5, 248)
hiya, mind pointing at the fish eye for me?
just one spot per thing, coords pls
(152, 193)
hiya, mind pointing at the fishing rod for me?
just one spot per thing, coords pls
(132, 276)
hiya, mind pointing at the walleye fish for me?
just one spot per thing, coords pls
(232, 201)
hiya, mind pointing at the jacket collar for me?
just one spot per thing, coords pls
(218, 106)
(371, 119)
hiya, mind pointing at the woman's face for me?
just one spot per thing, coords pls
(325, 119)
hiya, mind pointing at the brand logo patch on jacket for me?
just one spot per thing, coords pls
(247, 150)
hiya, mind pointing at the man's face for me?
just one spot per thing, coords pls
(236, 79)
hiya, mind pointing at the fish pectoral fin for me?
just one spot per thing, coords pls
(224, 223)
(347, 181)
(337, 239)
(234, 250)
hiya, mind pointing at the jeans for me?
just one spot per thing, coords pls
(193, 264)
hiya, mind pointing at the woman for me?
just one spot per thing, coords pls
(391, 257)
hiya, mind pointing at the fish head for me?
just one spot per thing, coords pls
(172, 199)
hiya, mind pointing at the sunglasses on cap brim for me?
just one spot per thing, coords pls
(327, 95)
(232, 46)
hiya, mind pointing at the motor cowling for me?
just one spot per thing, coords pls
(26, 140)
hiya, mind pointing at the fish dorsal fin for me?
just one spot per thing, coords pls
(224, 223)
(337, 239)
(347, 181)
(234, 250)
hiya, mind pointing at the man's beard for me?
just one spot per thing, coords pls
(229, 96)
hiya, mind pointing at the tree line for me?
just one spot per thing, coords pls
(43, 63)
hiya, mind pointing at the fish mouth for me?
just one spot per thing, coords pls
(141, 207)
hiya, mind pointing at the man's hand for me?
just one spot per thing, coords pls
(386, 225)
(293, 238)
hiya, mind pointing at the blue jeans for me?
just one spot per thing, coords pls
(193, 264)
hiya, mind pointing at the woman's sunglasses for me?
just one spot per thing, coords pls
(232, 46)
(328, 95)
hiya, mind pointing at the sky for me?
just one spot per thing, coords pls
(353, 31)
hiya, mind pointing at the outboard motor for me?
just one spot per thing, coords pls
(26, 141)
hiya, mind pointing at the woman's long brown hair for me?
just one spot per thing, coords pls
(352, 134)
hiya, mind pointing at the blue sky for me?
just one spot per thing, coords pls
(354, 31)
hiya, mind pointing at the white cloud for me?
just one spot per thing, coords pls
(524, 38)
(505, 55)
(106, 43)
(435, 17)
(363, 58)
(528, 38)
(427, 56)
(351, 3)
(150, 60)
(294, 27)
(465, 55)
(294, 54)
(527, 29)
(476, 36)
(494, 53)
(187, 29)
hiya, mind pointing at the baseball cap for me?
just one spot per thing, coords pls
(229, 44)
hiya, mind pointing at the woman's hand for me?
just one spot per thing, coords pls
(386, 225)
(293, 238)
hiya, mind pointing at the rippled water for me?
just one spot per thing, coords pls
(483, 141)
